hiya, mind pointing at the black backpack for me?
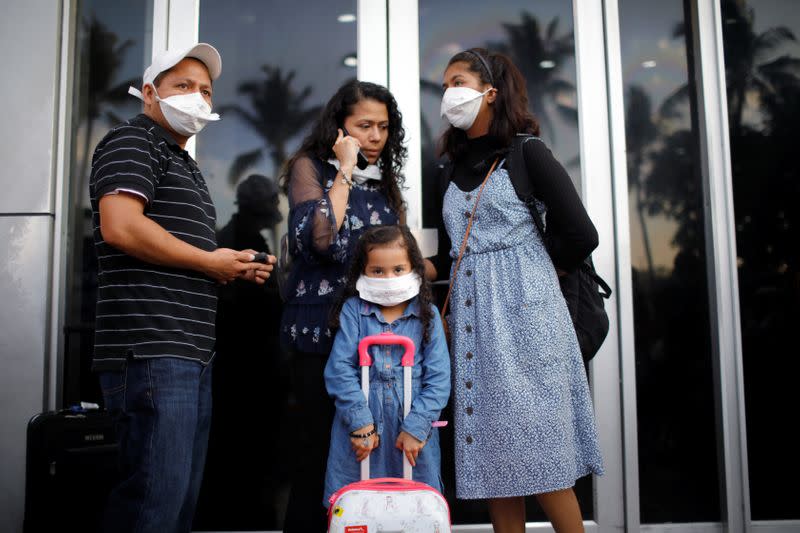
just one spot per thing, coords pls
(581, 287)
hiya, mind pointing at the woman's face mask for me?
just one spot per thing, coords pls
(388, 291)
(460, 106)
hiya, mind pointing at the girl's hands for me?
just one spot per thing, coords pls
(362, 448)
(410, 446)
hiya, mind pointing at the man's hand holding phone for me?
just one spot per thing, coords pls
(261, 273)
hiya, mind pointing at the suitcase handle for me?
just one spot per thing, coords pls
(387, 337)
(392, 484)
(365, 361)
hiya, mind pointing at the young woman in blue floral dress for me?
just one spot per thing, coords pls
(524, 423)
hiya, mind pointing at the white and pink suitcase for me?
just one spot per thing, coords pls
(388, 505)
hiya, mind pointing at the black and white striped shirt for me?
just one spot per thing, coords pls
(147, 310)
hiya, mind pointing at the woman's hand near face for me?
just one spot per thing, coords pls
(346, 150)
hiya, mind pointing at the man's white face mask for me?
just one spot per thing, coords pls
(187, 114)
(460, 105)
(388, 291)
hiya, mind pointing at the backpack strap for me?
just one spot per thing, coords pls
(523, 185)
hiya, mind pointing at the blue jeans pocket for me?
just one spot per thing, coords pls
(113, 385)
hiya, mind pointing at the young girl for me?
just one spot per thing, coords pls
(386, 291)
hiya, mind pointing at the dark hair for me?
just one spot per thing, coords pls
(377, 236)
(511, 114)
(319, 143)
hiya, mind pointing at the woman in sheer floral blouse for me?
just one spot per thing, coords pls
(331, 202)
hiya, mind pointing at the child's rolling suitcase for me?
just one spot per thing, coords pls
(388, 504)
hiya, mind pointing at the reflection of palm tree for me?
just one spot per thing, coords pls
(278, 114)
(640, 132)
(540, 57)
(748, 66)
(747, 60)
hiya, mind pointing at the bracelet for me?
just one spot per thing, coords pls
(347, 180)
(363, 435)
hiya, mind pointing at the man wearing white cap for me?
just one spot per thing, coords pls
(159, 267)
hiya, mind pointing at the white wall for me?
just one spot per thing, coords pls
(30, 36)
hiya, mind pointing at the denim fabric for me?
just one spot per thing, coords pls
(430, 391)
(162, 411)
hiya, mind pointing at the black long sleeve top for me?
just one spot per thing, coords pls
(571, 236)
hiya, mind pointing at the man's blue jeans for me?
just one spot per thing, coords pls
(162, 410)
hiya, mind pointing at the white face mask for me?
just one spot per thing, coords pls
(388, 291)
(187, 114)
(372, 172)
(460, 105)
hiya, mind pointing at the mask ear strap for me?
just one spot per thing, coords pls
(136, 92)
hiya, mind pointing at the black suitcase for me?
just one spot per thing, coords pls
(70, 468)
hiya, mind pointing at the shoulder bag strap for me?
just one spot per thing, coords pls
(466, 236)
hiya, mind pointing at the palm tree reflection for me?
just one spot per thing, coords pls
(671, 309)
(541, 56)
(278, 112)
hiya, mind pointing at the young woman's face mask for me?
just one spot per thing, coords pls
(460, 106)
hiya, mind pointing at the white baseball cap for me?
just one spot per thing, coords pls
(169, 58)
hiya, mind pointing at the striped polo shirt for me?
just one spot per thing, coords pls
(146, 310)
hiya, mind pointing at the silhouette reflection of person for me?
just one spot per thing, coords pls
(242, 475)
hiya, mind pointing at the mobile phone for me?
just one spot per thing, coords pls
(361, 160)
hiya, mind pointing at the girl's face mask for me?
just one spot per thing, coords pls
(388, 291)
(460, 106)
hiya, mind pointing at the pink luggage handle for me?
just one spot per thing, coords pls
(365, 361)
(407, 361)
(387, 337)
(392, 484)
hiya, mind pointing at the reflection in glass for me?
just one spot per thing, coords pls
(678, 480)
(112, 49)
(278, 71)
(762, 59)
(539, 39)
